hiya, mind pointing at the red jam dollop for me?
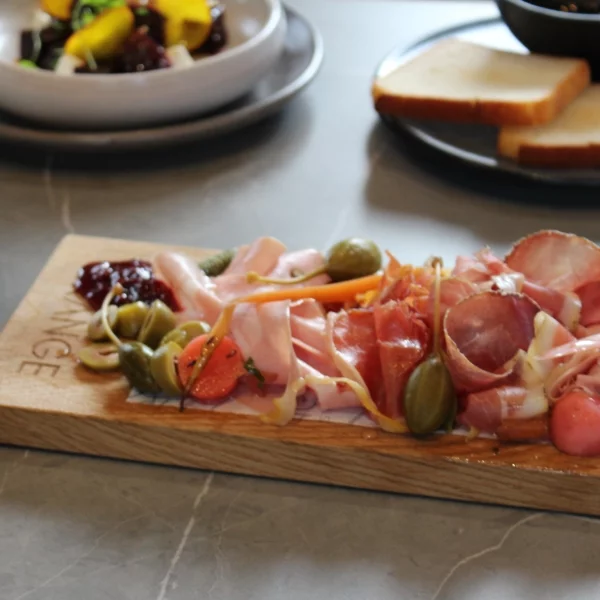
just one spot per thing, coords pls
(95, 280)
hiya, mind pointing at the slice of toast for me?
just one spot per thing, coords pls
(572, 140)
(464, 82)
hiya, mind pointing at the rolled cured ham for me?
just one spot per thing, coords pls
(560, 261)
(483, 336)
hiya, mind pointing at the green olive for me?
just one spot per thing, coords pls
(100, 357)
(429, 397)
(217, 263)
(131, 318)
(158, 322)
(163, 368)
(134, 360)
(185, 333)
(353, 258)
(95, 330)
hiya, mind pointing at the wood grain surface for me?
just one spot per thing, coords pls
(49, 401)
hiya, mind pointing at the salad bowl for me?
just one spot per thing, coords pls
(255, 31)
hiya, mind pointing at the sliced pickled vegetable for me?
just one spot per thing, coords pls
(134, 361)
(158, 322)
(96, 330)
(104, 37)
(217, 263)
(185, 333)
(100, 357)
(131, 318)
(163, 367)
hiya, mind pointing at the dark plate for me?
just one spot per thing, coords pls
(475, 144)
(296, 68)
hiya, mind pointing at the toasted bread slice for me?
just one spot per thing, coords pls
(572, 140)
(464, 82)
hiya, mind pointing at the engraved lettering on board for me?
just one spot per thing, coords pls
(65, 328)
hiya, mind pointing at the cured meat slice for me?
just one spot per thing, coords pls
(489, 272)
(403, 341)
(354, 341)
(193, 288)
(230, 286)
(452, 291)
(577, 372)
(549, 334)
(483, 335)
(300, 262)
(589, 295)
(260, 256)
(561, 261)
(263, 333)
(488, 410)
(566, 307)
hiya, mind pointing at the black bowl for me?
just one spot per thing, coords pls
(554, 32)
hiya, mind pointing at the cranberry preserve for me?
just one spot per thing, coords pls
(95, 280)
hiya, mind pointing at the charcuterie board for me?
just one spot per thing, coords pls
(48, 401)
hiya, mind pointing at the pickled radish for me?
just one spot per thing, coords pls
(575, 424)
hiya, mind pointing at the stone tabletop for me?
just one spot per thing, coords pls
(74, 528)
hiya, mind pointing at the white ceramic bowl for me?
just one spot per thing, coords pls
(256, 31)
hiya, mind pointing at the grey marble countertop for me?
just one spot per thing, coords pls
(75, 528)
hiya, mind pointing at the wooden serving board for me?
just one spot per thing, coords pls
(48, 401)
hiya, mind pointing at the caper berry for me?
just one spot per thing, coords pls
(353, 258)
(429, 397)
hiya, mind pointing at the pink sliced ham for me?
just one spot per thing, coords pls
(193, 288)
(260, 256)
(483, 335)
(263, 333)
(560, 261)
(232, 285)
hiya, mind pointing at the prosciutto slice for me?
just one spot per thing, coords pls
(382, 345)
(354, 343)
(589, 295)
(488, 272)
(560, 261)
(403, 342)
(483, 336)
(488, 410)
